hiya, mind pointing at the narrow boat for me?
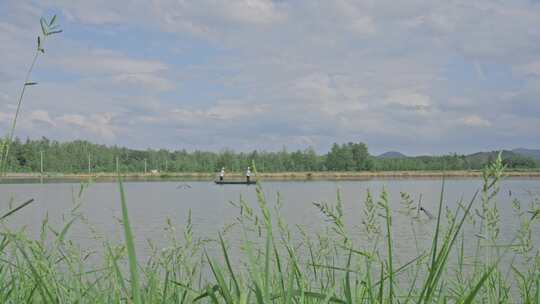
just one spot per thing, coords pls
(235, 182)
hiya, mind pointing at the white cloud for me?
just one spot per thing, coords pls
(35, 119)
(227, 110)
(221, 112)
(173, 15)
(409, 99)
(352, 15)
(96, 124)
(252, 11)
(241, 11)
(363, 25)
(150, 81)
(531, 68)
(6, 117)
(41, 116)
(97, 12)
(331, 95)
(474, 121)
(4, 96)
(106, 65)
(100, 61)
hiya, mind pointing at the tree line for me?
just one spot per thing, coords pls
(81, 156)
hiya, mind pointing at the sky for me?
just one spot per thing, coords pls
(420, 77)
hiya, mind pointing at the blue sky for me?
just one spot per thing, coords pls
(421, 77)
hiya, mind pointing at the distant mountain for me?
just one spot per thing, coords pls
(392, 154)
(532, 153)
(517, 158)
(484, 157)
(478, 156)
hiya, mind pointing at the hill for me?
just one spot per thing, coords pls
(485, 157)
(391, 154)
(533, 153)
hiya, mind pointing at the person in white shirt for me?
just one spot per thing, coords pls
(248, 175)
(222, 174)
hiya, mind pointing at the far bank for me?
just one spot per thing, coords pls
(274, 176)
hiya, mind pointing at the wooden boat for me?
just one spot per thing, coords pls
(235, 182)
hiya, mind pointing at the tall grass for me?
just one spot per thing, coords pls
(278, 264)
(48, 28)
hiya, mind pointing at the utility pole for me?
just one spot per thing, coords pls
(117, 164)
(41, 161)
(89, 170)
(145, 166)
(166, 166)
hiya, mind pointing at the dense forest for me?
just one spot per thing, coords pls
(83, 157)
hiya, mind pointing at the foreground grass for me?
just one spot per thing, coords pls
(277, 264)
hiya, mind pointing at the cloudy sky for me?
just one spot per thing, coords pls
(415, 76)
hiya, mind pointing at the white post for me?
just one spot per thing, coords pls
(145, 166)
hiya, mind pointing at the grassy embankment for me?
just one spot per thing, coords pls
(274, 176)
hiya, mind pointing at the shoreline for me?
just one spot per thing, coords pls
(277, 176)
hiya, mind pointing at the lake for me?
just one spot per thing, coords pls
(152, 203)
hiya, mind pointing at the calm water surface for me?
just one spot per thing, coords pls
(152, 203)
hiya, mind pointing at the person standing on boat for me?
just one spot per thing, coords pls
(248, 175)
(222, 174)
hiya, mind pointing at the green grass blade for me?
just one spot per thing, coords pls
(538, 279)
(223, 288)
(290, 283)
(371, 297)
(64, 231)
(53, 19)
(12, 211)
(38, 277)
(229, 266)
(313, 295)
(280, 275)
(209, 293)
(348, 292)
(437, 270)
(165, 287)
(116, 269)
(438, 226)
(259, 294)
(132, 258)
(43, 24)
(381, 287)
(470, 297)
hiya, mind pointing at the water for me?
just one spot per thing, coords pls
(152, 203)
